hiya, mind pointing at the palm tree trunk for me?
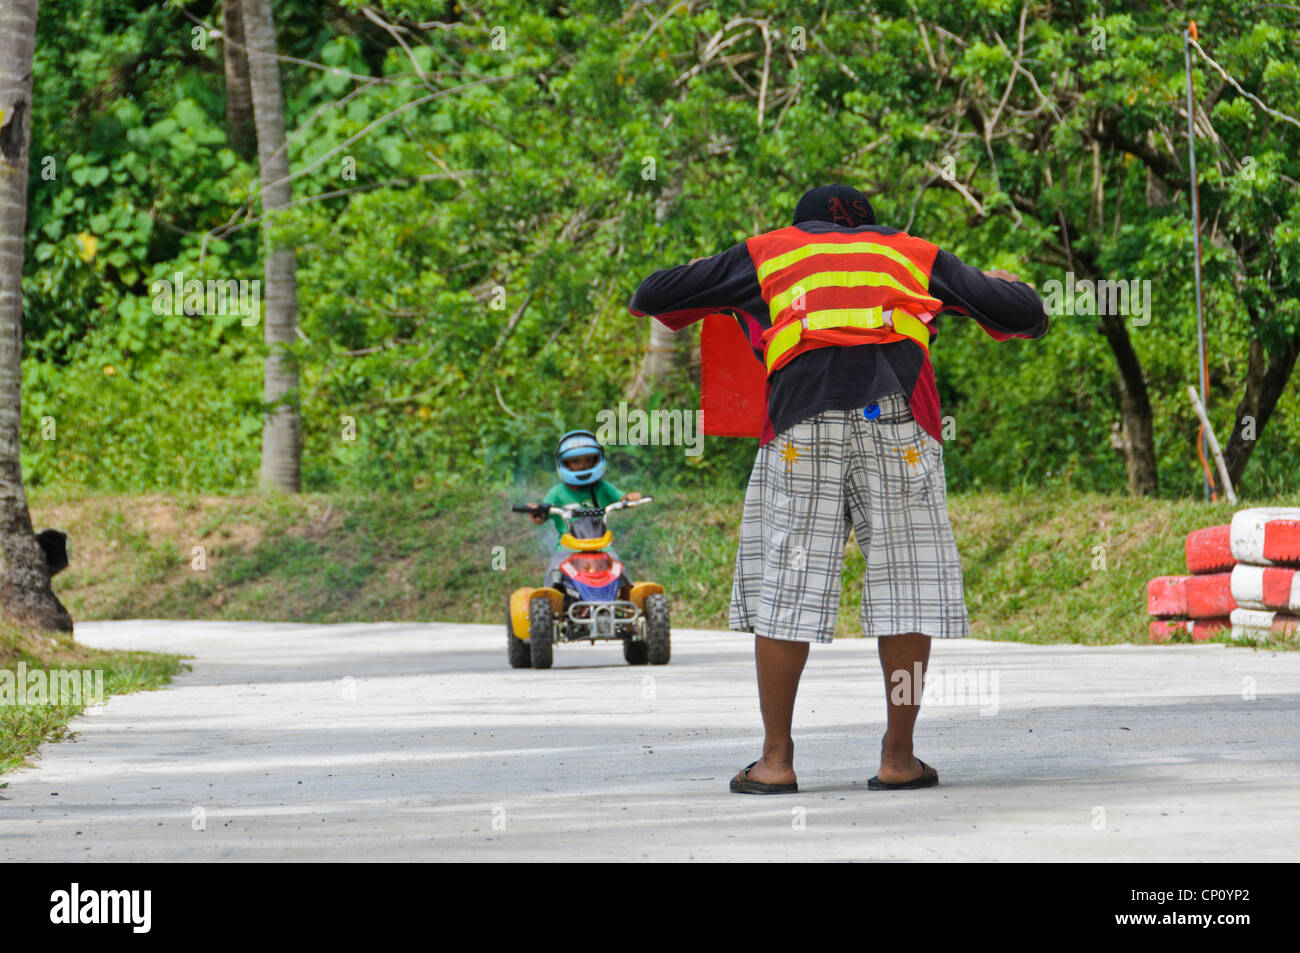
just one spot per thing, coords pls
(667, 350)
(281, 429)
(25, 594)
(239, 94)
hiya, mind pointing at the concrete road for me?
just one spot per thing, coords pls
(418, 742)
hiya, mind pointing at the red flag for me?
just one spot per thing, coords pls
(733, 382)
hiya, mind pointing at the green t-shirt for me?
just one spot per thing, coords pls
(600, 493)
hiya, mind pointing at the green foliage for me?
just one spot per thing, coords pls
(468, 239)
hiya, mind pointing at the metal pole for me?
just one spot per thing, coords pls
(1214, 446)
(1188, 36)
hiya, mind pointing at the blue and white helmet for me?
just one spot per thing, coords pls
(579, 443)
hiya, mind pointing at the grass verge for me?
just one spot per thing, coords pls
(42, 686)
(1038, 567)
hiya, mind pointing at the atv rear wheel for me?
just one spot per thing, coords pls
(516, 648)
(658, 644)
(541, 630)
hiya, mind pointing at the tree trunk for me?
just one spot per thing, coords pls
(282, 429)
(1264, 386)
(1135, 410)
(662, 356)
(239, 94)
(666, 350)
(25, 594)
(1135, 438)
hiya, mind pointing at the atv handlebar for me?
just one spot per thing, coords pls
(569, 510)
(625, 504)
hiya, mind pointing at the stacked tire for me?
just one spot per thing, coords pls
(1243, 579)
(1200, 604)
(1265, 579)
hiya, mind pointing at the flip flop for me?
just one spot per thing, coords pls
(741, 784)
(928, 779)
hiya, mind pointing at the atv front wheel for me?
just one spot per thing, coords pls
(516, 647)
(541, 630)
(635, 653)
(658, 647)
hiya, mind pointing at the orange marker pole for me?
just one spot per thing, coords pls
(1188, 37)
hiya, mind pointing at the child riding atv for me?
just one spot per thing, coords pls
(587, 595)
(580, 465)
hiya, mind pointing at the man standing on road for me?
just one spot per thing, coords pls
(841, 312)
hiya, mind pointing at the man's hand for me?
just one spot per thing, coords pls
(631, 497)
(536, 517)
(1005, 276)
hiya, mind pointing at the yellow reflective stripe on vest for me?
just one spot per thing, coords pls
(841, 248)
(913, 327)
(838, 279)
(844, 318)
(789, 336)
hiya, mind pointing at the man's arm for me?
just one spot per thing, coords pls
(1003, 306)
(685, 294)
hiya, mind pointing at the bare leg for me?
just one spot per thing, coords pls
(901, 652)
(779, 664)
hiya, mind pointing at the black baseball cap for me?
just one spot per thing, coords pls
(837, 204)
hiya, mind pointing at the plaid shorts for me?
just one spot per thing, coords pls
(881, 478)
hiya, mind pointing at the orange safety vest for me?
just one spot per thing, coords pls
(815, 302)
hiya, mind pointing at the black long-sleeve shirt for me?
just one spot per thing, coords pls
(840, 377)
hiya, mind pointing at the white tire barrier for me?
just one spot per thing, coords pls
(1267, 536)
(1275, 588)
(1260, 625)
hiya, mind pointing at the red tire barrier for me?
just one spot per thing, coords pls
(1167, 596)
(1210, 596)
(1200, 597)
(1267, 536)
(1210, 549)
(1162, 630)
(1275, 588)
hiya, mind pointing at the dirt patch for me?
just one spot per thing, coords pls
(1139, 536)
(318, 521)
(236, 535)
